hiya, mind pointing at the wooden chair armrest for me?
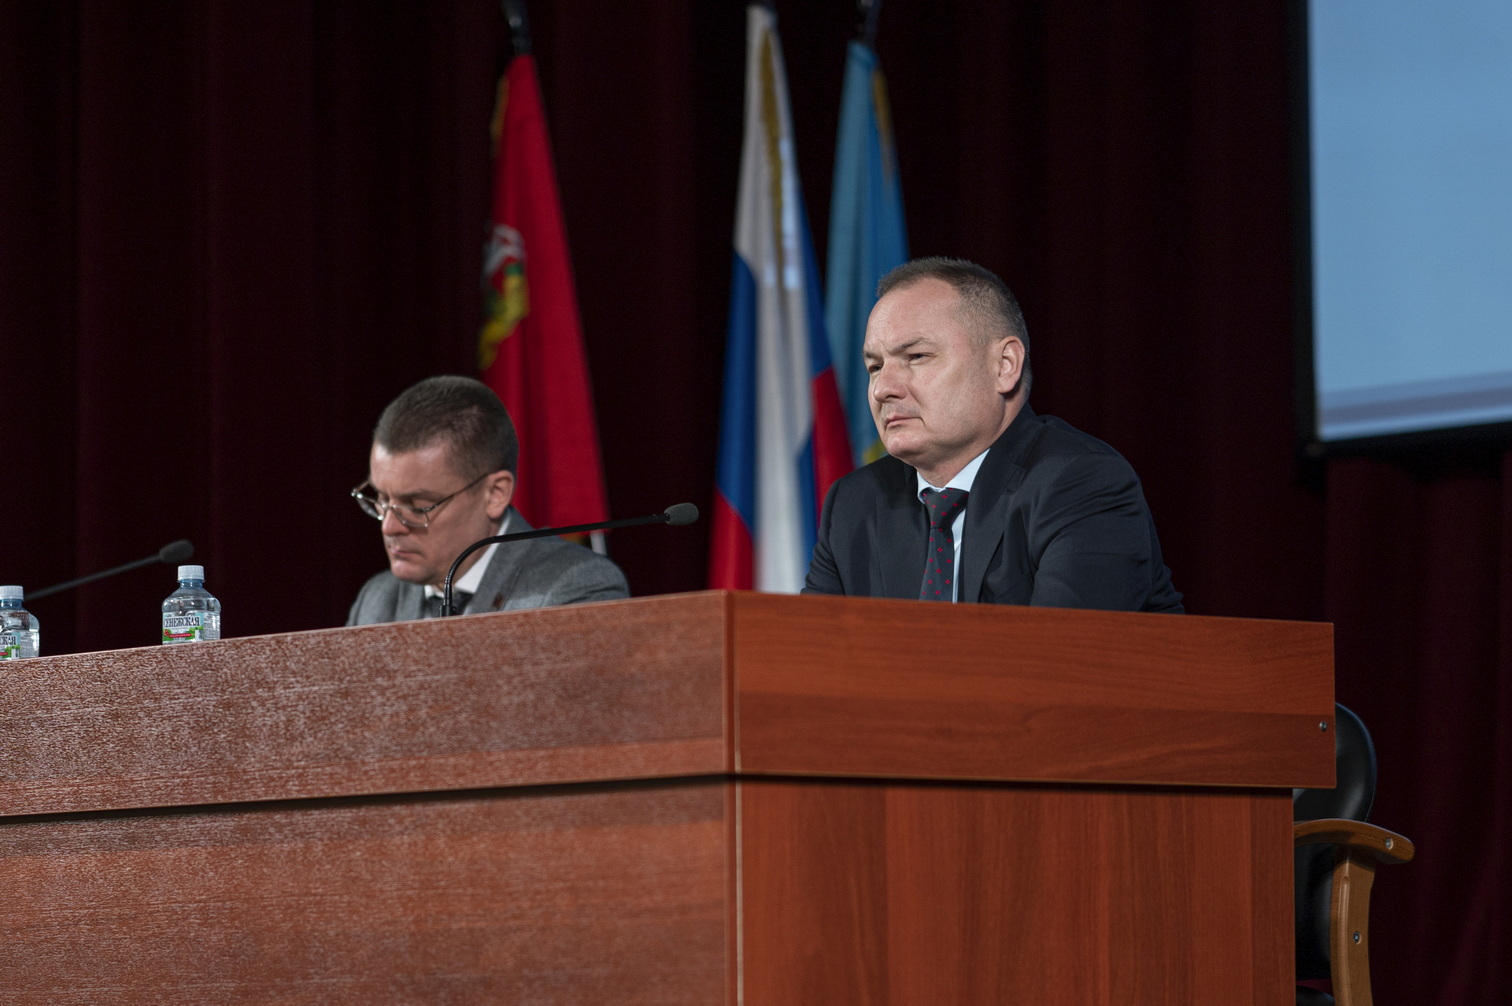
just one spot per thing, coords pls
(1358, 847)
(1382, 845)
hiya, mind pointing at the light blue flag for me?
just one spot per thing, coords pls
(867, 236)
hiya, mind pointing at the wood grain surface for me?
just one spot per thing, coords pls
(839, 686)
(885, 894)
(622, 690)
(677, 685)
(666, 800)
(561, 895)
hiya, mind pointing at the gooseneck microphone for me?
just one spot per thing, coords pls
(170, 554)
(677, 515)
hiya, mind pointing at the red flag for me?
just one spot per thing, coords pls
(531, 348)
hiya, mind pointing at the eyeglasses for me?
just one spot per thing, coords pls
(409, 516)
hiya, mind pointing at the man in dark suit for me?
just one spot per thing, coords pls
(1026, 509)
(440, 477)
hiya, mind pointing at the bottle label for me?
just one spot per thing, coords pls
(17, 645)
(183, 628)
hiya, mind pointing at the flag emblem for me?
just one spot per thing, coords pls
(506, 295)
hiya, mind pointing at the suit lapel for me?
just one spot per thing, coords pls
(900, 518)
(503, 570)
(409, 602)
(1001, 473)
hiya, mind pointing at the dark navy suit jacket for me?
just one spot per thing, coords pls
(1055, 518)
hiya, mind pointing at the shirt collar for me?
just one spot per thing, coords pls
(473, 578)
(962, 480)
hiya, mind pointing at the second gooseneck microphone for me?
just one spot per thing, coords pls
(677, 515)
(170, 554)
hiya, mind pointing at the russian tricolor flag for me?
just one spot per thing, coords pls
(782, 436)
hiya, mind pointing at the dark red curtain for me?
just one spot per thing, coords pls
(229, 233)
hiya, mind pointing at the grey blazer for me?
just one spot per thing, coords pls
(522, 574)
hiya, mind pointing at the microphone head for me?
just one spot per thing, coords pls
(679, 514)
(176, 552)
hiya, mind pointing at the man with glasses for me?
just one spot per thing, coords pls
(440, 477)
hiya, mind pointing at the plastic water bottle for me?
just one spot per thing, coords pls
(191, 614)
(19, 634)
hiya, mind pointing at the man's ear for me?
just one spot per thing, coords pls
(1010, 365)
(499, 489)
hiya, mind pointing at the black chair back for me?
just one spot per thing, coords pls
(1350, 798)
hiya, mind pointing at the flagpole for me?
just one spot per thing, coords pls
(519, 25)
(866, 21)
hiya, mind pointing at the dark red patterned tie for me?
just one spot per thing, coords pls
(939, 568)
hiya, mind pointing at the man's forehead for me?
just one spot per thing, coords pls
(927, 308)
(424, 469)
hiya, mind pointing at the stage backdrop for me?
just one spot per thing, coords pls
(229, 233)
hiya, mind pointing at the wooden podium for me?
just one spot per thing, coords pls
(701, 798)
